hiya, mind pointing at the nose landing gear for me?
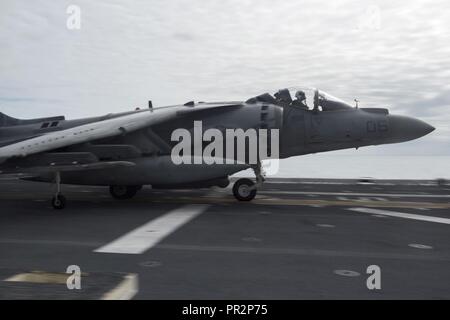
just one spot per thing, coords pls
(245, 189)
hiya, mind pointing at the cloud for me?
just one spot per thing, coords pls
(174, 51)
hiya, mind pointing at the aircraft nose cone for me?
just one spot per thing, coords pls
(403, 128)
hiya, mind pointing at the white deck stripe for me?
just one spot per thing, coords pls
(148, 235)
(405, 195)
(402, 215)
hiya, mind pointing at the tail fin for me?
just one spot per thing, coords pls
(7, 121)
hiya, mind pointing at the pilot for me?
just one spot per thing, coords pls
(300, 100)
(283, 97)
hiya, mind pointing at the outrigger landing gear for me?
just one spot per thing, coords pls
(245, 189)
(58, 201)
(124, 192)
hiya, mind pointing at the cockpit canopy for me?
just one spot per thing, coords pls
(302, 97)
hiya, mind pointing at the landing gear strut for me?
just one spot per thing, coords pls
(124, 192)
(259, 174)
(245, 189)
(58, 201)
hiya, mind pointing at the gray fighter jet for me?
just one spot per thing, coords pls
(128, 150)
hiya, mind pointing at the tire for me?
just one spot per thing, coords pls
(59, 202)
(244, 190)
(123, 192)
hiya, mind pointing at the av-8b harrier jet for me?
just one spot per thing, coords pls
(126, 151)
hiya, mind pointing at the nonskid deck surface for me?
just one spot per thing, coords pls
(299, 239)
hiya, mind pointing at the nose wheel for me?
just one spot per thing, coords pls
(245, 189)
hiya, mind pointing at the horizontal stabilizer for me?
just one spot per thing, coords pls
(7, 121)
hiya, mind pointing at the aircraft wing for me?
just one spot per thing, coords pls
(100, 130)
(84, 133)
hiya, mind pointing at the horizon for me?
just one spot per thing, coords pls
(385, 53)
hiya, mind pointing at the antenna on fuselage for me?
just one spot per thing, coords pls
(150, 105)
(356, 101)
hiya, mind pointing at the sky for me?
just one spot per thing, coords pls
(393, 54)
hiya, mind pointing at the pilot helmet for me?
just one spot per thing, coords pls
(300, 95)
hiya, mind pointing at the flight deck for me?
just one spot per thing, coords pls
(298, 239)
